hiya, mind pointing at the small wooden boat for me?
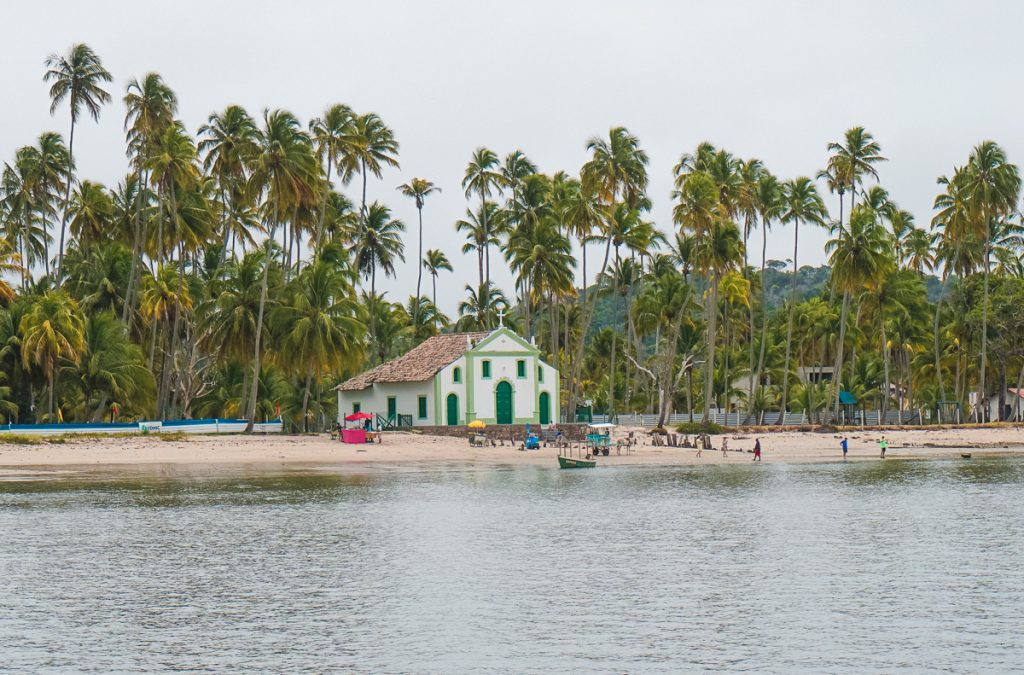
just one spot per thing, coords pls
(965, 455)
(573, 463)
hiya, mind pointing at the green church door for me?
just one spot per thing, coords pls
(545, 408)
(503, 403)
(453, 410)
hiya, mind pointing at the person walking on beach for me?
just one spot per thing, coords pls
(845, 445)
(757, 449)
(883, 444)
(725, 446)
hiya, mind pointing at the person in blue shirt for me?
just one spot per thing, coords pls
(845, 446)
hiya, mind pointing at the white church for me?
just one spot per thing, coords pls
(453, 379)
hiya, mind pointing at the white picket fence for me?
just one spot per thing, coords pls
(871, 418)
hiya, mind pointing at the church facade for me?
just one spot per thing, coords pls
(453, 379)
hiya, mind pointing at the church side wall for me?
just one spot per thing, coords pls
(374, 399)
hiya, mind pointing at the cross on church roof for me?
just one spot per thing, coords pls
(501, 318)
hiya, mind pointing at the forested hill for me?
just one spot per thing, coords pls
(811, 281)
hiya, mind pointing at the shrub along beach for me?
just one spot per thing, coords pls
(233, 273)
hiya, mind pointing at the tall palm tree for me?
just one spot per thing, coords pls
(322, 327)
(369, 146)
(150, 107)
(10, 263)
(52, 331)
(993, 187)
(857, 257)
(617, 168)
(770, 206)
(285, 172)
(111, 368)
(228, 146)
(91, 213)
(53, 167)
(484, 178)
(717, 251)
(479, 228)
(419, 189)
(18, 197)
(379, 243)
(517, 167)
(479, 311)
(78, 78)
(801, 204)
(853, 160)
(330, 133)
(434, 261)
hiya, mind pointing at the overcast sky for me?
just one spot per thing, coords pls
(772, 80)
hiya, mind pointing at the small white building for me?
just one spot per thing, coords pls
(496, 377)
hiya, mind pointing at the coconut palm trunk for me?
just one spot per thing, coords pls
(789, 323)
(837, 371)
(938, 355)
(254, 385)
(764, 307)
(709, 376)
(419, 273)
(67, 199)
(982, 408)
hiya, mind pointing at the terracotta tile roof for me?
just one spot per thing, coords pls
(419, 363)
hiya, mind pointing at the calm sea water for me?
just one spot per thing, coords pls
(863, 567)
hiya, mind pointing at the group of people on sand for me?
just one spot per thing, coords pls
(705, 443)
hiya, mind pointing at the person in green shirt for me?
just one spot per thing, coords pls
(883, 444)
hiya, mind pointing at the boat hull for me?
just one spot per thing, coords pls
(571, 463)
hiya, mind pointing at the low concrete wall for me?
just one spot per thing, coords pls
(570, 432)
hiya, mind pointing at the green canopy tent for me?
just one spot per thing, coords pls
(849, 404)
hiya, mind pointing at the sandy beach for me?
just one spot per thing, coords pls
(79, 454)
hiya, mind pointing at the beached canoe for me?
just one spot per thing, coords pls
(571, 463)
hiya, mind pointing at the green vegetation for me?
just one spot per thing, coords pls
(233, 271)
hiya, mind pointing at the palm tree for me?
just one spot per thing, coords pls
(993, 187)
(228, 147)
(853, 159)
(111, 368)
(617, 168)
(52, 178)
(858, 256)
(517, 166)
(322, 327)
(52, 330)
(91, 213)
(368, 147)
(419, 189)
(483, 178)
(230, 324)
(435, 261)
(379, 243)
(78, 78)
(770, 206)
(10, 263)
(18, 198)
(479, 311)
(150, 108)
(330, 134)
(717, 251)
(801, 203)
(480, 233)
(285, 171)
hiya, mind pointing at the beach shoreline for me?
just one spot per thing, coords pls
(406, 450)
